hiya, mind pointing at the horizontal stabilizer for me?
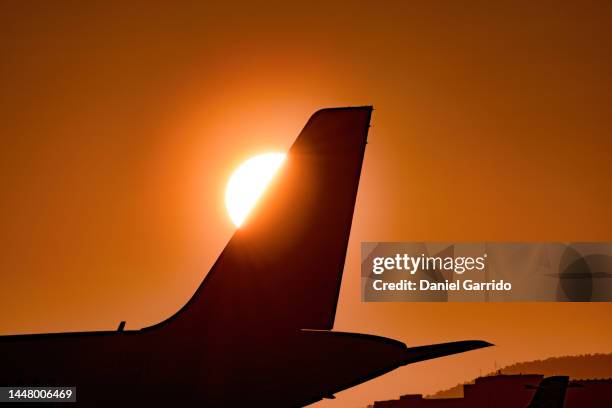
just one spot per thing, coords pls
(415, 354)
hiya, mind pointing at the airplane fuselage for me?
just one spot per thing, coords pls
(123, 368)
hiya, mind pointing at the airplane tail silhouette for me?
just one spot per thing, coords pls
(550, 393)
(283, 267)
(257, 330)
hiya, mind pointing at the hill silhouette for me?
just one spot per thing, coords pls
(584, 366)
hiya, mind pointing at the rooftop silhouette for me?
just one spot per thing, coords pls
(517, 391)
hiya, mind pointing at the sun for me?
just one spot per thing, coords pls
(248, 182)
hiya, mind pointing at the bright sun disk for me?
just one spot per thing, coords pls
(248, 182)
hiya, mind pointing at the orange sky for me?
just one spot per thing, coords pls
(120, 125)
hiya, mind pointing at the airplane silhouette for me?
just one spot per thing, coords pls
(551, 392)
(258, 330)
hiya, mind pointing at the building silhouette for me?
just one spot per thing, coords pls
(509, 391)
(590, 393)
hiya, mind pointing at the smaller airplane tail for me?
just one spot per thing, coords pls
(550, 393)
